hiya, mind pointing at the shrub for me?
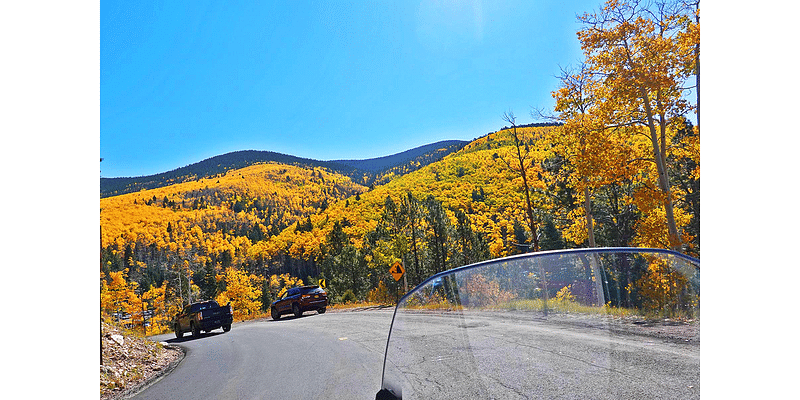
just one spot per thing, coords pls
(482, 292)
(379, 295)
(565, 295)
(348, 297)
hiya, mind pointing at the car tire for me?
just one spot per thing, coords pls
(178, 332)
(321, 310)
(275, 314)
(226, 328)
(296, 310)
(195, 330)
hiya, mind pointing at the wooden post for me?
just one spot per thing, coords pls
(405, 281)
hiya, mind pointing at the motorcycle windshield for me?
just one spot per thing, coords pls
(590, 323)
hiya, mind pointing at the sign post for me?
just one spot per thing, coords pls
(405, 282)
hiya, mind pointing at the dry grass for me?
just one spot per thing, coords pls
(357, 304)
(564, 306)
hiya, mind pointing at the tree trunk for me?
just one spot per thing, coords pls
(663, 177)
(587, 209)
(528, 205)
(697, 64)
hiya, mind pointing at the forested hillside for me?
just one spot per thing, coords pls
(168, 237)
(253, 231)
(621, 168)
(470, 207)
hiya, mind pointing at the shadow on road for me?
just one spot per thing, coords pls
(191, 337)
(289, 317)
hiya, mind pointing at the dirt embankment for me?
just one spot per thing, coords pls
(130, 362)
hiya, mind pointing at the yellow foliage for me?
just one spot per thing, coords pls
(279, 284)
(156, 300)
(453, 180)
(119, 295)
(243, 291)
(564, 295)
(142, 217)
(481, 292)
(379, 295)
(661, 287)
(646, 55)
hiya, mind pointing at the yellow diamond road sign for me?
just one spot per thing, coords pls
(397, 270)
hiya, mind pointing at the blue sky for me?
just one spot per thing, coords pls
(184, 81)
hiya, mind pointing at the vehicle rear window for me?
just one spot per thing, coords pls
(204, 306)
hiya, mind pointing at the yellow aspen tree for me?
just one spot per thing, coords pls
(134, 305)
(243, 291)
(660, 287)
(156, 298)
(574, 100)
(117, 294)
(640, 52)
(274, 285)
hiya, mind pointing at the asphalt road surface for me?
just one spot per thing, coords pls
(339, 355)
(523, 355)
(336, 355)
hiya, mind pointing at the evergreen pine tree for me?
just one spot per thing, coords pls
(551, 237)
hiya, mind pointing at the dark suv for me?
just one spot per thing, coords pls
(203, 316)
(298, 300)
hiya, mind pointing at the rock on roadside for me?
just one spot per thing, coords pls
(131, 362)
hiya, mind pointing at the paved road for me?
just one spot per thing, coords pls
(522, 355)
(336, 355)
(340, 355)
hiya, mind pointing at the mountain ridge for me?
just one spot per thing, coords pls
(385, 162)
(365, 171)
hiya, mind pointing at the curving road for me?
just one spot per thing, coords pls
(333, 355)
(517, 355)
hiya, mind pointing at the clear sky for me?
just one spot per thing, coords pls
(184, 81)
